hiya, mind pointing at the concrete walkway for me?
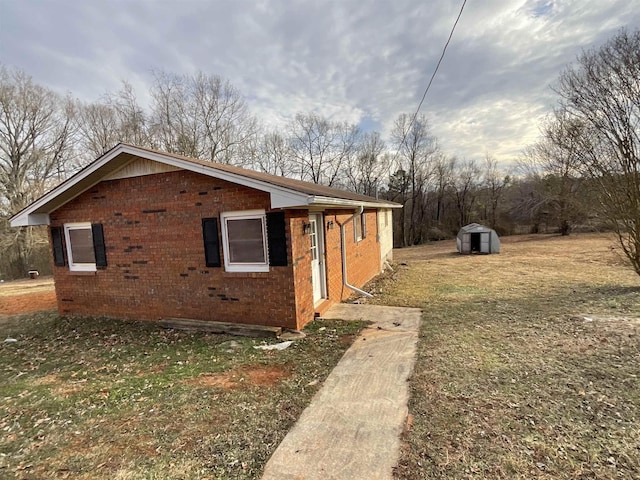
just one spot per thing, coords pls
(351, 430)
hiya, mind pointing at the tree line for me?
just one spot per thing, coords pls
(582, 173)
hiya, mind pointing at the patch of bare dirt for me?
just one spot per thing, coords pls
(59, 386)
(25, 296)
(347, 338)
(246, 376)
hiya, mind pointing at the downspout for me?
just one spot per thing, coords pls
(343, 245)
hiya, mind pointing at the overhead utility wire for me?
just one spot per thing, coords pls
(424, 95)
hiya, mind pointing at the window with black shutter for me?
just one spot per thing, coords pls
(99, 248)
(57, 235)
(211, 242)
(277, 239)
(81, 246)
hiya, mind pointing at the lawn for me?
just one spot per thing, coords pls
(528, 361)
(93, 398)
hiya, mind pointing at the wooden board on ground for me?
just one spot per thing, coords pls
(220, 327)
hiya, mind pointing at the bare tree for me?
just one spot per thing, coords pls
(416, 147)
(494, 182)
(97, 127)
(273, 154)
(132, 120)
(320, 147)
(601, 95)
(368, 168)
(555, 160)
(117, 117)
(201, 116)
(36, 133)
(443, 179)
(466, 180)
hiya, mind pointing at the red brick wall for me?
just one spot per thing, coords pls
(156, 264)
(363, 257)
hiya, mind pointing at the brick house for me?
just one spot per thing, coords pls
(148, 235)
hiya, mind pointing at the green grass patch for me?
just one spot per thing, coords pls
(98, 398)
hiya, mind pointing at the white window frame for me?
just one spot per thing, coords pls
(363, 227)
(77, 267)
(244, 215)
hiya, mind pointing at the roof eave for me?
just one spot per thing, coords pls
(83, 178)
(37, 213)
(29, 219)
(318, 200)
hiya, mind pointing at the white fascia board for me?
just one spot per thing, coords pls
(288, 200)
(34, 208)
(342, 202)
(29, 220)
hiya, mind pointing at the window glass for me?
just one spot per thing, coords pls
(246, 240)
(81, 245)
(313, 236)
(357, 227)
(80, 251)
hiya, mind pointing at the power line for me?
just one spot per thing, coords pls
(424, 95)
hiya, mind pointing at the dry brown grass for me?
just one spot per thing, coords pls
(528, 361)
(545, 264)
(21, 287)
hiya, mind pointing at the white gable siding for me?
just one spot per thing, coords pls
(140, 167)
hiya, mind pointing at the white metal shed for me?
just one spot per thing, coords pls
(476, 238)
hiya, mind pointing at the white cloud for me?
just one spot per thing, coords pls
(351, 60)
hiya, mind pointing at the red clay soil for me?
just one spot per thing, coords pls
(28, 302)
(248, 375)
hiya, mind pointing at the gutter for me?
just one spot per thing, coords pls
(343, 202)
(343, 245)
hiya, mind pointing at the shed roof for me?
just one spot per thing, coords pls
(284, 192)
(475, 228)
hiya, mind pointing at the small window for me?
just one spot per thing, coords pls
(245, 243)
(80, 250)
(359, 227)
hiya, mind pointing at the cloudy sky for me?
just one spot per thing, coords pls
(363, 61)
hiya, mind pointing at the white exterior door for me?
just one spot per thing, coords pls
(316, 236)
(385, 235)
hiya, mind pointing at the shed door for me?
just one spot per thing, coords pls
(466, 243)
(316, 236)
(485, 242)
(475, 242)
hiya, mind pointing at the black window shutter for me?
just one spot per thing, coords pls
(99, 248)
(276, 239)
(58, 246)
(211, 242)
